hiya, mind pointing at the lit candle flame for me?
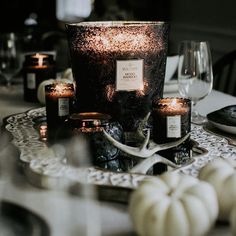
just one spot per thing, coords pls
(60, 88)
(173, 102)
(40, 58)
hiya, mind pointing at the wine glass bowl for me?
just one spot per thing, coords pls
(10, 62)
(195, 77)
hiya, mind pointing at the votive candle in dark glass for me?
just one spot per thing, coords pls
(172, 121)
(59, 105)
(37, 68)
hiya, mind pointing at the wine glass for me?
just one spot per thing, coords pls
(195, 77)
(10, 62)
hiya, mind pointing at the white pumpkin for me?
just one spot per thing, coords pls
(41, 90)
(233, 219)
(222, 175)
(41, 87)
(173, 204)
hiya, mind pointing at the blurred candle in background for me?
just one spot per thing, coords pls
(37, 68)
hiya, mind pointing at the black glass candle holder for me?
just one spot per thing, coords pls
(59, 106)
(90, 125)
(37, 68)
(172, 121)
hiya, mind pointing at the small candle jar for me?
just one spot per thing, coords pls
(91, 125)
(172, 121)
(36, 68)
(59, 105)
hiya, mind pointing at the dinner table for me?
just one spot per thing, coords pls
(64, 216)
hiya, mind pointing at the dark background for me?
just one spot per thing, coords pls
(212, 20)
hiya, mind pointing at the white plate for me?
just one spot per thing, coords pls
(225, 128)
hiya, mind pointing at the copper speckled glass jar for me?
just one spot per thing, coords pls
(119, 67)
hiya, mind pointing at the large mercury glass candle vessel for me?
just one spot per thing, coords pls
(119, 67)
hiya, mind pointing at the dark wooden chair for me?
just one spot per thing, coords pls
(224, 71)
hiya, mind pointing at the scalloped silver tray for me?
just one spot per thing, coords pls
(47, 171)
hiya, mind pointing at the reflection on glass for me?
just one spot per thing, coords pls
(10, 62)
(195, 77)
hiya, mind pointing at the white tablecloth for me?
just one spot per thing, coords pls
(12, 102)
(60, 216)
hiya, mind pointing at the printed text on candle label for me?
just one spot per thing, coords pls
(31, 81)
(129, 75)
(173, 126)
(63, 106)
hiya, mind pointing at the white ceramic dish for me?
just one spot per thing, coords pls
(225, 128)
(224, 119)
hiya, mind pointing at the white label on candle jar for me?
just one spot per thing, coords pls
(31, 81)
(63, 106)
(129, 75)
(173, 126)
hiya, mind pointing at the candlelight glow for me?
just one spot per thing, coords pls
(40, 61)
(60, 90)
(90, 126)
(90, 121)
(173, 102)
(43, 132)
(110, 92)
(90, 115)
(172, 106)
(40, 58)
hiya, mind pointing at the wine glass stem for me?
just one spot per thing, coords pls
(196, 118)
(8, 81)
(194, 110)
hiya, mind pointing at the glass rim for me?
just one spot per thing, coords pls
(110, 24)
(195, 41)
